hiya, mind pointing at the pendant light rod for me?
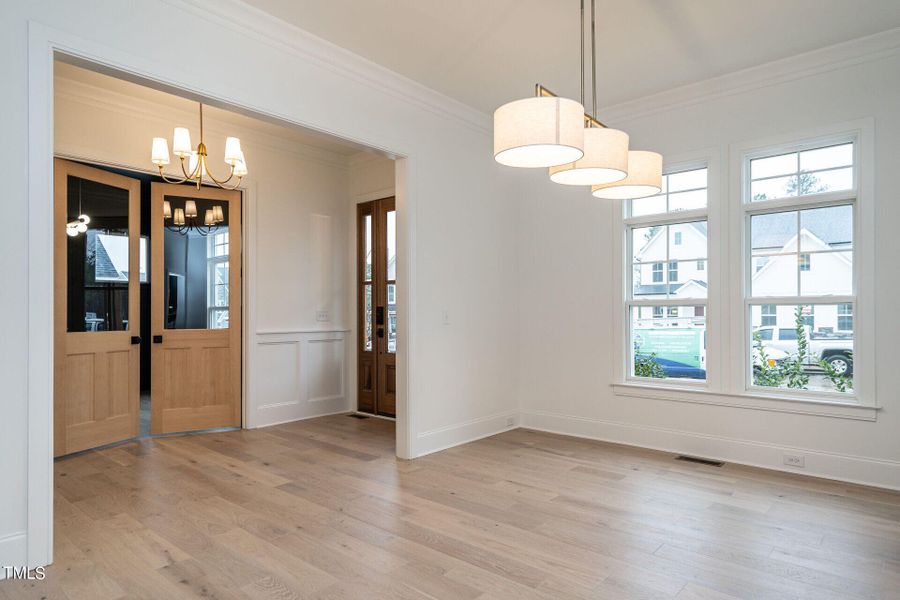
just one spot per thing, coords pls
(593, 63)
(581, 55)
(542, 92)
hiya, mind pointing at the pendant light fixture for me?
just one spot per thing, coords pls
(644, 178)
(538, 132)
(197, 170)
(79, 225)
(529, 133)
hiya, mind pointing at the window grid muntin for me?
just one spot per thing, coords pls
(797, 151)
(666, 193)
(799, 203)
(667, 218)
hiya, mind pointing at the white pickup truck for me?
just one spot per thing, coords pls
(835, 349)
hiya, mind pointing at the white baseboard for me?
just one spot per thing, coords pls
(13, 551)
(449, 436)
(304, 418)
(842, 467)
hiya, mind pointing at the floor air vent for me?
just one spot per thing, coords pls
(701, 461)
(358, 416)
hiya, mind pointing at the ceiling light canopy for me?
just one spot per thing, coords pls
(644, 178)
(557, 133)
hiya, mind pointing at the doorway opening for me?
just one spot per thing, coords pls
(133, 289)
(376, 223)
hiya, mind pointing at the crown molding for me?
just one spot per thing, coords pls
(823, 60)
(363, 158)
(270, 30)
(135, 107)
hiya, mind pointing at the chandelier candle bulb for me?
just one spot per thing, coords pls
(167, 209)
(208, 218)
(605, 159)
(179, 216)
(644, 178)
(233, 152)
(159, 154)
(539, 132)
(181, 142)
(217, 214)
(190, 208)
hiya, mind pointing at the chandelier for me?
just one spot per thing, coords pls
(548, 131)
(185, 220)
(194, 162)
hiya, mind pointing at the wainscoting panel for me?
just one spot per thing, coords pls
(325, 369)
(300, 374)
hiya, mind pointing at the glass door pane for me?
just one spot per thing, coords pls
(196, 263)
(97, 256)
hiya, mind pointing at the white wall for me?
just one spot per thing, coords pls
(296, 220)
(457, 379)
(570, 286)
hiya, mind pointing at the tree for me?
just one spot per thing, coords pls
(805, 183)
(765, 374)
(646, 366)
(793, 366)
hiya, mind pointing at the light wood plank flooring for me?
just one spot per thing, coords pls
(322, 509)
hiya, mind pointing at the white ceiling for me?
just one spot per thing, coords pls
(487, 52)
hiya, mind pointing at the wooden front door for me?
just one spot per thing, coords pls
(97, 266)
(196, 308)
(377, 307)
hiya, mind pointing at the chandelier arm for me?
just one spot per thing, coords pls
(224, 181)
(167, 180)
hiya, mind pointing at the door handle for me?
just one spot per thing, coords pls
(135, 339)
(379, 315)
(157, 339)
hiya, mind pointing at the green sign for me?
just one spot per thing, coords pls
(683, 345)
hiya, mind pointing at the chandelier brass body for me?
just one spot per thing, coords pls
(197, 169)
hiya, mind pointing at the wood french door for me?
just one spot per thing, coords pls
(97, 266)
(377, 307)
(196, 308)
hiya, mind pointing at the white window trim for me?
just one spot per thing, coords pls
(623, 367)
(727, 373)
(211, 262)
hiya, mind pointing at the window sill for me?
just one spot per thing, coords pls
(748, 400)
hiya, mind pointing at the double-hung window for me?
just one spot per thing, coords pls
(800, 207)
(667, 250)
(217, 281)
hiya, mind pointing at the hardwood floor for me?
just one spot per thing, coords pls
(322, 509)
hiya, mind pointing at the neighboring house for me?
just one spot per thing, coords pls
(675, 266)
(824, 262)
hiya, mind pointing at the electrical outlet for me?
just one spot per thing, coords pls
(321, 315)
(445, 317)
(792, 460)
(510, 421)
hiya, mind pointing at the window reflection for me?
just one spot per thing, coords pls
(196, 266)
(97, 257)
